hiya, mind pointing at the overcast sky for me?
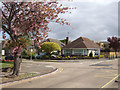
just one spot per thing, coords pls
(94, 19)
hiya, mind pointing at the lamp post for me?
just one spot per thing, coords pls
(31, 52)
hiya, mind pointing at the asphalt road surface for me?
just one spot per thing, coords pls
(83, 74)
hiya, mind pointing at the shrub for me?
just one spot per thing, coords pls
(9, 57)
(48, 47)
(101, 56)
(33, 56)
(27, 54)
(91, 54)
(45, 57)
(86, 56)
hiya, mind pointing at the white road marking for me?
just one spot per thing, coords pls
(97, 62)
(49, 66)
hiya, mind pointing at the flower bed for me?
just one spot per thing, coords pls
(7, 61)
(70, 58)
(74, 57)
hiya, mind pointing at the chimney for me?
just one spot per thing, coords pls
(67, 40)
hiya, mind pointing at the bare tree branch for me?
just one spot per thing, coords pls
(4, 15)
(6, 30)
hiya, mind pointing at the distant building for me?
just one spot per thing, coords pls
(103, 44)
(4, 47)
(107, 51)
(81, 46)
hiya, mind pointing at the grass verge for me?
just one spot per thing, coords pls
(17, 78)
(6, 65)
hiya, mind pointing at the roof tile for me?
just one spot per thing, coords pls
(82, 42)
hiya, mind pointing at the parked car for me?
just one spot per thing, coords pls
(41, 54)
(9, 57)
(53, 56)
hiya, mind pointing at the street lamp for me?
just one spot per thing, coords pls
(31, 52)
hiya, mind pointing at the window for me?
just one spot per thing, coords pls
(85, 51)
(78, 52)
(68, 51)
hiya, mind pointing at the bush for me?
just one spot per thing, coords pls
(33, 56)
(91, 54)
(27, 54)
(24, 54)
(9, 57)
(48, 47)
(86, 56)
(45, 57)
(101, 56)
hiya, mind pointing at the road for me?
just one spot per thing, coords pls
(83, 74)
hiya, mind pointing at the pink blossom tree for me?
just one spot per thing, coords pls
(20, 19)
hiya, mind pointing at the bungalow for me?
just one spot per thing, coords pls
(81, 46)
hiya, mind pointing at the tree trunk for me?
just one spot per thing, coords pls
(16, 68)
(116, 53)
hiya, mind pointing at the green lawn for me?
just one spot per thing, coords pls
(5, 65)
(3, 57)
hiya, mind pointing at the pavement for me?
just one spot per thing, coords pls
(29, 66)
(36, 67)
(83, 74)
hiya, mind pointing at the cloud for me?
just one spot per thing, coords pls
(97, 1)
(94, 20)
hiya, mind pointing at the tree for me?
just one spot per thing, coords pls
(106, 47)
(114, 43)
(63, 41)
(29, 18)
(22, 40)
(28, 53)
(48, 47)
